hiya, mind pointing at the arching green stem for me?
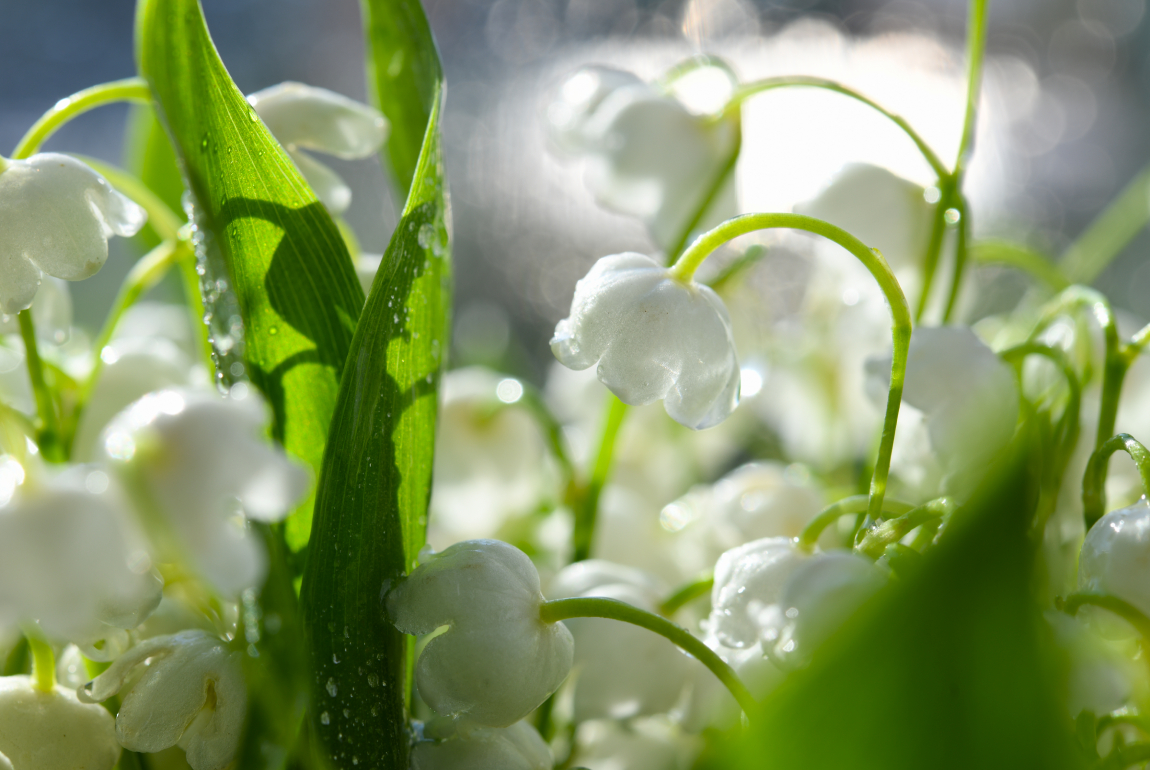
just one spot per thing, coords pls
(1122, 757)
(854, 504)
(587, 501)
(1034, 263)
(684, 269)
(1094, 480)
(894, 530)
(1128, 612)
(129, 89)
(934, 244)
(686, 594)
(1105, 237)
(1068, 423)
(960, 254)
(768, 84)
(48, 437)
(691, 64)
(598, 607)
(43, 660)
(975, 54)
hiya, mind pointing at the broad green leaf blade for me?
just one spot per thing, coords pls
(281, 254)
(404, 76)
(948, 669)
(371, 508)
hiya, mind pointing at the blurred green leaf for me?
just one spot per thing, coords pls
(285, 261)
(371, 509)
(149, 155)
(946, 669)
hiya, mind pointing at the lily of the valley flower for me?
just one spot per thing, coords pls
(201, 461)
(1115, 556)
(53, 730)
(649, 677)
(647, 154)
(190, 693)
(749, 581)
(497, 660)
(70, 558)
(56, 216)
(1101, 680)
(303, 117)
(653, 337)
(448, 745)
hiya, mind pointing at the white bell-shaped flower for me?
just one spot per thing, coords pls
(749, 583)
(53, 730)
(190, 693)
(448, 745)
(71, 558)
(490, 460)
(497, 660)
(968, 396)
(819, 596)
(1115, 556)
(653, 337)
(56, 215)
(622, 670)
(303, 117)
(205, 465)
(51, 312)
(647, 154)
(1100, 679)
(652, 743)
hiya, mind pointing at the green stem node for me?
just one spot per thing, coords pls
(1094, 480)
(684, 270)
(892, 531)
(854, 504)
(612, 609)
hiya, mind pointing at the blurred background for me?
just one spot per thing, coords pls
(1063, 130)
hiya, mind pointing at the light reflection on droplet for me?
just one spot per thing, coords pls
(11, 476)
(509, 390)
(96, 482)
(750, 383)
(120, 446)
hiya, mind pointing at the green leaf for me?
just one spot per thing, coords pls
(371, 508)
(287, 269)
(948, 669)
(149, 155)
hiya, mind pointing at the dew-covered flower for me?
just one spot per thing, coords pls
(71, 558)
(621, 670)
(497, 660)
(53, 730)
(56, 215)
(450, 745)
(749, 584)
(646, 153)
(968, 397)
(303, 117)
(190, 693)
(818, 597)
(201, 460)
(1115, 556)
(490, 460)
(652, 337)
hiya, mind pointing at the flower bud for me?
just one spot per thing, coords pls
(621, 670)
(53, 730)
(1115, 556)
(198, 456)
(497, 660)
(451, 746)
(56, 215)
(305, 117)
(191, 693)
(653, 337)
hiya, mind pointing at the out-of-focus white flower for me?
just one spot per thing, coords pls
(498, 660)
(710, 703)
(653, 337)
(882, 210)
(71, 558)
(622, 670)
(641, 744)
(647, 154)
(51, 312)
(490, 461)
(754, 501)
(448, 747)
(56, 215)
(1115, 556)
(1101, 680)
(303, 117)
(191, 693)
(968, 396)
(749, 582)
(204, 464)
(819, 596)
(53, 730)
